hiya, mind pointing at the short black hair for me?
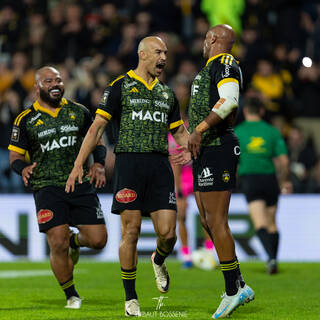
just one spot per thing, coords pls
(254, 105)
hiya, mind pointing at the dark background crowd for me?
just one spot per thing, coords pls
(93, 41)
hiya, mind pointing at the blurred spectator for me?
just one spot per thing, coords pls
(75, 36)
(182, 91)
(128, 47)
(302, 158)
(307, 113)
(95, 41)
(9, 29)
(54, 31)
(35, 41)
(313, 183)
(18, 76)
(272, 87)
(9, 109)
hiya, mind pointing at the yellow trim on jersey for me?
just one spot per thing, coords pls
(214, 57)
(27, 157)
(20, 116)
(103, 113)
(131, 74)
(114, 81)
(54, 113)
(17, 149)
(226, 80)
(175, 124)
(226, 59)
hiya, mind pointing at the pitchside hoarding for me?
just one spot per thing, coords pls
(298, 220)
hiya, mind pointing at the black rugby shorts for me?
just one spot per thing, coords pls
(56, 207)
(143, 181)
(215, 168)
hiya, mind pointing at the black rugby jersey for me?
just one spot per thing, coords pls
(143, 113)
(51, 139)
(219, 69)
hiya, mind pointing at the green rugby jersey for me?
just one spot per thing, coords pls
(219, 69)
(143, 113)
(259, 143)
(51, 139)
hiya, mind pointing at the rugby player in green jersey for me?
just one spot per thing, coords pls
(145, 110)
(50, 132)
(215, 149)
(261, 146)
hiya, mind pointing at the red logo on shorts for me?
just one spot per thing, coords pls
(44, 215)
(126, 195)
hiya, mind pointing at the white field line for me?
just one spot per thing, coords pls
(26, 273)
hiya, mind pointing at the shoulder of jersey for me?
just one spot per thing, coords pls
(227, 59)
(73, 103)
(22, 116)
(117, 80)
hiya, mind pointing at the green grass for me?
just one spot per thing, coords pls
(293, 294)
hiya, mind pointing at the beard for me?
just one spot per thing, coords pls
(52, 101)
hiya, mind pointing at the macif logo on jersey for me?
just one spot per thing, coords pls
(156, 116)
(63, 142)
(205, 178)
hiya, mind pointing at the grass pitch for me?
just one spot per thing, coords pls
(29, 291)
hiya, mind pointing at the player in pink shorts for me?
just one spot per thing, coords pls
(184, 187)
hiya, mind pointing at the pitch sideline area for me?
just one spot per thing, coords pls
(29, 291)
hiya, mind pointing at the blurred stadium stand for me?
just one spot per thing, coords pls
(93, 41)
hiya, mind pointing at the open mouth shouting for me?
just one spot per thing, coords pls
(159, 67)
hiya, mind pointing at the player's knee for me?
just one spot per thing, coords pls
(167, 234)
(218, 226)
(59, 246)
(99, 242)
(181, 218)
(131, 233)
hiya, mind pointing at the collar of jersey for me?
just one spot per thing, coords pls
(216, 56)
(54, 114)
(131, 74)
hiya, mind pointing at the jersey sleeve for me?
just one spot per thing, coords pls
(174, 118)
(280, 147)
(225, 69)
(110, 104)
(19, 139)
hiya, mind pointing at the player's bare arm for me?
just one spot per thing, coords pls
(181, 136)
(90, 141)
(282, 165)
(97, 171)
(27, 171)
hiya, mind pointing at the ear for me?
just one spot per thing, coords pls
(142, 55)
(213, 39)
(36, 88)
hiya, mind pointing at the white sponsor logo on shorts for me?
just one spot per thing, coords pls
(99, 212)
(205, 178)
(172, 198)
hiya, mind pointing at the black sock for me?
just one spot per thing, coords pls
(274, 242)
(74, 242)
(160, 256)
(229, 270)
(240, 278)
(129, 283)
(69, 289)
(264, 237)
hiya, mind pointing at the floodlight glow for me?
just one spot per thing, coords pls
(307, 62)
